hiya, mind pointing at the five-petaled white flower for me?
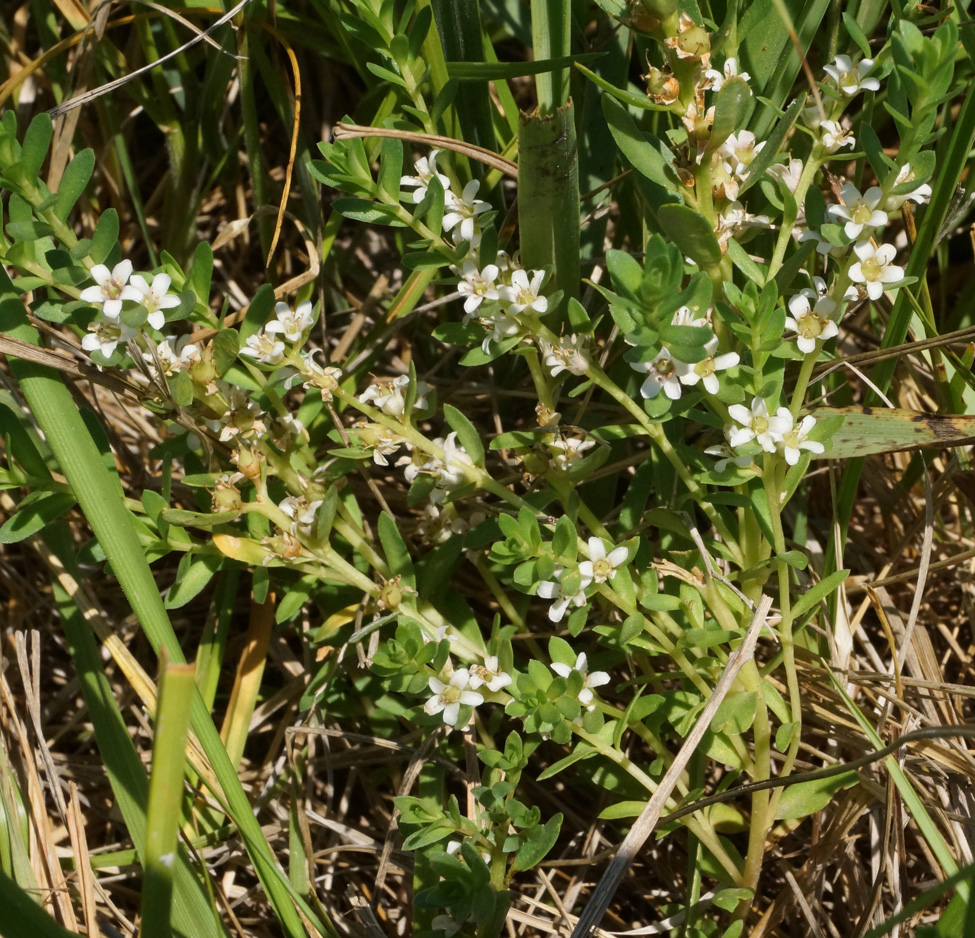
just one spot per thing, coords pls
(571, 354)
(796, 439)
(852, 79)
(874, 267)
(291, 323)
(715, 80)
(105, 335)
(706, 369)
(463, 210)
(740, 150)
(811, 323)
(301, 512)
(449, 698)
(425, 168)
(757, 424)
(490, 675)
(569, 450)
(662, 375)
(553, 589)
(112, 288)
(601, 566)
(171, 359)
(263, 348)
(832, 136)
(596, 679)
(522, 293)
(919, 194)
(477, 285)
(389, 397)
(858, 211)
(154, 297)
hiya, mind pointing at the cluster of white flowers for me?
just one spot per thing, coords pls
(461, 689)
(266, 348)
(670, 375)
(112, 288)
(774, 433)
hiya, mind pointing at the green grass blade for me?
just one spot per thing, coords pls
(166, 797)
(22, 917)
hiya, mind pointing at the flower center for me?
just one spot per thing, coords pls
(602, 569)
(872, 268)
(450, 694)
(705, 368)
(760, 425)
(665, 368)
(810, 326)
(861, 213)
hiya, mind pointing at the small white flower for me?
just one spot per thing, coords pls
(662, 375)
(112, 288)
(426, 169)
(756, 424)
(553, 589)
(795, 440)
(811, 323)
(105, 334)
(449, 698)
(291, 323)
(570, 354)
(706, 369)
(456, 462)
(823, 246)
(852, 79)
(301, 512)
(489, 675)
(832, 136)
(498, 327)
(601, 566)
(171, 360)
(263, 349)
(858, 211)
(477, 286)
(790, 174)
(569, 450)
(740, 150)
(596, 679)
(874, 268)
(154, 297)
(522, 294)
(727, 456)
(389, 397)
(715, 80)
(684, 317)
(463, 210)
(922, 192)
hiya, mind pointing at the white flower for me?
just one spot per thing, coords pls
(389, 397)
(449, 698)
(740, 150)
(291, 323)
(734, 217)
(477, 286)
(499, 326)
(922, 192)
(456, 462)
(601, 567)
(714, 79)
(858, 211)
(596, 679)
(790, 174)
(756, 424)
(569, 450)
(662, 375)
(154, 297)
(811, 323)
(111, 289)
(684, 317)
(570, 354)
(263, 349)
(105, 334)
(727, 455)
(705, 370)
(463, 210)
(553, 589)
(823, 246)
(832, 136)
(795, 439)
(522, 294)
(172, 360)
(301, 512)
(874, 268)
(489, 675)
(426, 169)
(852, 79)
